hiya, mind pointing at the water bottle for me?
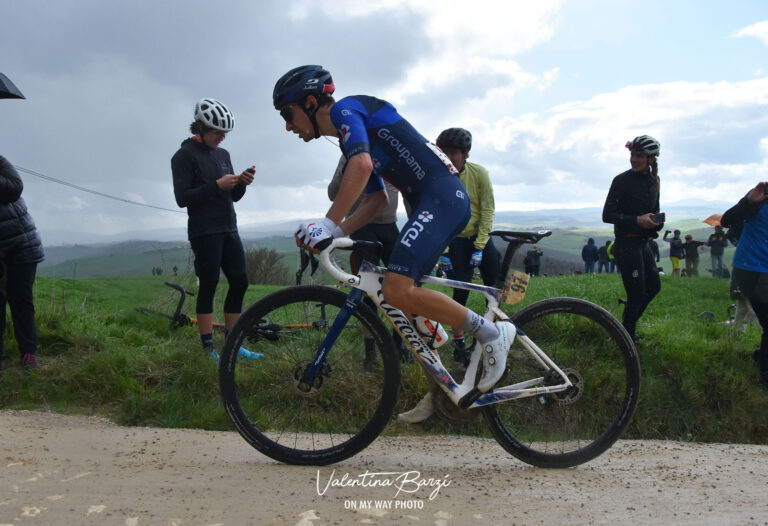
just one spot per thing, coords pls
(430, 331)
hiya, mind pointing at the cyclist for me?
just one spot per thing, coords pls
(631, 204)
(204, 183)
(379, 143)
(472, 248)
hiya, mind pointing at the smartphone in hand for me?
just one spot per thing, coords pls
(659, 218)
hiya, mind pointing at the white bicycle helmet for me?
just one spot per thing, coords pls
(645, 144)
(215, 115)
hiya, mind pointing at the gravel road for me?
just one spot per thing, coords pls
(58, 470)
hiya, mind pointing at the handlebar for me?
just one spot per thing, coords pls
(329, 264)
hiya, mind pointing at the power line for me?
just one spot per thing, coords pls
(94, 192)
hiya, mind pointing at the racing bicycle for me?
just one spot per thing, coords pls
(570, 388)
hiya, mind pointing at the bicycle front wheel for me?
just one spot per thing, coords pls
(572, 427)
(343, 409)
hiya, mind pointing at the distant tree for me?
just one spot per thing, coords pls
(265, 267)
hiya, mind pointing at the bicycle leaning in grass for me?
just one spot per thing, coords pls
(569, 390)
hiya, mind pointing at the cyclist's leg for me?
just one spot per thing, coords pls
(234, 268)
(207, 250)
(651, 282)
(435, 220)
(628, 256)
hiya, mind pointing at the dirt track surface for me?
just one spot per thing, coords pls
(69, 470)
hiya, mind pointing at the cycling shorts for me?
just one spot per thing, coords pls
(441, 212)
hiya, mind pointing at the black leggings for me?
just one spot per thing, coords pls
(640, 276)
(460, 252)
(18, 295)
(225, 252)
(754, 285)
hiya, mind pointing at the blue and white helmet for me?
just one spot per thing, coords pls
(294, 86)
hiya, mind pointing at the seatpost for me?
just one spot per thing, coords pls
(512, 245)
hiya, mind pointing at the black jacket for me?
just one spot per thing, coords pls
(630, 196)
(19, 239)
(195, 168)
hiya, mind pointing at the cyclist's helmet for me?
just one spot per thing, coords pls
(458, 138)
(645, 144)
(215, 115)
(294, 86)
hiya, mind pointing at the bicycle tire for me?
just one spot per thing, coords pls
(346, 412)
(566, 429)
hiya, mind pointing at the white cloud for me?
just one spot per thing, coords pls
(758, 30)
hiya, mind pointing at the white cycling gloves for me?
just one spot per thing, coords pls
(310, 233)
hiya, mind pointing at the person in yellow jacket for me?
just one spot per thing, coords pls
(472, 248)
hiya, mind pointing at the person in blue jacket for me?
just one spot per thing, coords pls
(750, 262)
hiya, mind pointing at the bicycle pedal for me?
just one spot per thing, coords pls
(214, 355)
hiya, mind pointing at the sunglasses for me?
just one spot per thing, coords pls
(286, 112)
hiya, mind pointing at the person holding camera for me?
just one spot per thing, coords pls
(676, 250)
(204, 182)
(750, 262)
(632, 206)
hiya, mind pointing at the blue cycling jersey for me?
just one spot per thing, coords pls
(400, 154)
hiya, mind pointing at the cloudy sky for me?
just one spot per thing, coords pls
(551, 91)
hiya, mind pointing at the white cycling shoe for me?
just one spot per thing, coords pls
(495, 355)
(419, 413)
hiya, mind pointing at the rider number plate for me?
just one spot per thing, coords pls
(514, 287)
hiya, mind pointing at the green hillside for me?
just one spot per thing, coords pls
(139, 258)
(101, 356)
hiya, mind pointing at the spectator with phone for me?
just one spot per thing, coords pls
(204, 182)
(750, 262)
(632, 201)
(676, 250)
(20, 252)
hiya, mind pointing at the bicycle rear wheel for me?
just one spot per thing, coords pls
(569, 428)
(349, 402)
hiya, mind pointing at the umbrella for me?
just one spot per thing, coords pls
(8, 90)
(713, 220)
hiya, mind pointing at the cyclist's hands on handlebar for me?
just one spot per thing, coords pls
(317, 235)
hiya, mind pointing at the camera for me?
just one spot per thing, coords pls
(659, 218)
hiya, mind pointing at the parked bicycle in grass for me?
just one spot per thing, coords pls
(569, 389)
(179, 319)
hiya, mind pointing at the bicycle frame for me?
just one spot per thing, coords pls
(367, 282)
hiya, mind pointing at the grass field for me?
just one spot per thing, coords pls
(101, 356)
